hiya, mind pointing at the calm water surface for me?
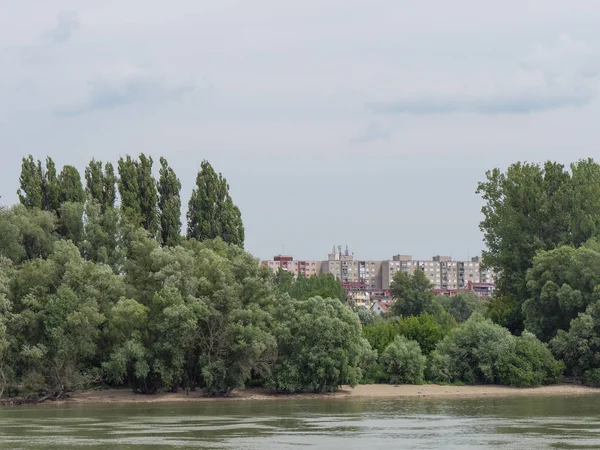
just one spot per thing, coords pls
(519, 423)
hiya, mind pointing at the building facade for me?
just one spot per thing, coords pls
(375, 277)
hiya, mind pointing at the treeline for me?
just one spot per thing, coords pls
(448, 340)
(141, 200)
(541, 228)
(99, 287)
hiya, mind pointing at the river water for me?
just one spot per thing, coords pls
(519, 423)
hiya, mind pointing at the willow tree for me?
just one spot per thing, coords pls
(211, 211)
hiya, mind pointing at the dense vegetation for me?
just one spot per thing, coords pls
(99, 286)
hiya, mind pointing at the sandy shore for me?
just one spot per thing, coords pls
(373, 391)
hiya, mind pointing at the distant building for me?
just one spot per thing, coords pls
(380, 307)
(372, 279)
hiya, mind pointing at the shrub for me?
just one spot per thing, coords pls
(481, 352)
(592, 377)
(402, 362)
(425, 329)
(320, 346)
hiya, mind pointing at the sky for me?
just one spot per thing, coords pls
(365, 123)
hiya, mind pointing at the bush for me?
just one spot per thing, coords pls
(402, 362)
(592, 377)
(531, 364)
(320, 346)
(481, 352)
(425, 329)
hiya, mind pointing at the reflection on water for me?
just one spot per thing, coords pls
(520, 423)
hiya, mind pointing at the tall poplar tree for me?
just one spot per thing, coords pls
(71, 189)
(94, 181)
(211, 211)
(109, 189)
(147, 194)
(50, 187)
(30, 191)
(169, 204)
(129, 190)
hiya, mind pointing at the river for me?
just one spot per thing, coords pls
(519, 423)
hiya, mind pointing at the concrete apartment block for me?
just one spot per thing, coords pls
(442, 271)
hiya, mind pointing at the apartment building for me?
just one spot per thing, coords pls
(446, 274)
(287, 263)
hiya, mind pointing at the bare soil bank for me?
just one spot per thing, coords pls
(372, 392)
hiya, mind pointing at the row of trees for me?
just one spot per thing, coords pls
(154, 205)
(198, 314)
(541, 225)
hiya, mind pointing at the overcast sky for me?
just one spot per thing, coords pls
(367, 123)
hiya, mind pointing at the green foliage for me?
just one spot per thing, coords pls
(530, 208)
(26, 233)
(561, 283)
(506, 311)
(462, 305)
(94, 181)
(169, 204)
(579, 347)
(424, 329)
(319, 346)
(148, 196)
(30, 191)
(592, 377)
(403, 362)
(413, 294)
(71, 189)
(481, 352)
(129, 190)
(211, 212)
(50, 187)
(325, 286)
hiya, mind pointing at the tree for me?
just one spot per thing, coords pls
(50, 187)
(325, 286)
(481, 352)
(30, 192)
(169, 204)
(319, 346)
(94, 178)
(211, 212)
(579, 347)
(26, 234)
(561, 284)
(403, 362)
(148, 196)
(462, 305)
(71, 189)
(129, 190)
(413, 294)
(530, 208)
(108, 187)
(424, 329)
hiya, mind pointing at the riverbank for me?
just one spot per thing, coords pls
(371, 391)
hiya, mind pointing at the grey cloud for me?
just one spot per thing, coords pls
(67, 23)
(106, 94)
(565, 75)
(373, 132)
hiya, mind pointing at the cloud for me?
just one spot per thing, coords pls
(124, 87)
(373, 132)
(565, 75)
(67, 23)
